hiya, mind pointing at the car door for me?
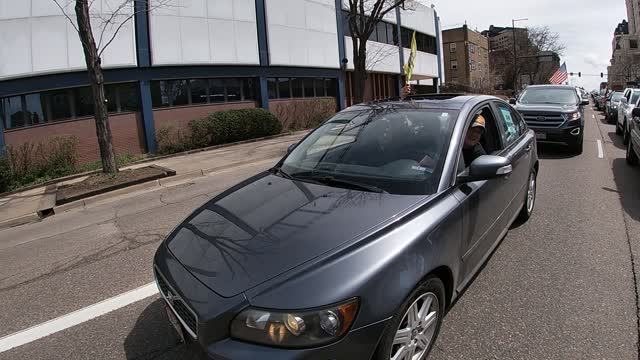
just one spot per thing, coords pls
(483, 204)
(518, 149)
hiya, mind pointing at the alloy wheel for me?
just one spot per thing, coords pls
(531, 193)
(417, 329)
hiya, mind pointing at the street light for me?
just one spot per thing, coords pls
(515, 56)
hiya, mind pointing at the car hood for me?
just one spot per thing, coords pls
(268, 225)
(546, 108)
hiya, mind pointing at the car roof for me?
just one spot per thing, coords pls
(427, 101)
(551, 87)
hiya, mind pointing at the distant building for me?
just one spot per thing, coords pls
(625, 53)
(501, 47)
(466, 57)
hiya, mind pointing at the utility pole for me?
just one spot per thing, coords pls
(515, 55)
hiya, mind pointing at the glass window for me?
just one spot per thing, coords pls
(34, 105)
(453, 47)
(297, 88)
(111, 95)
(199, 91)
(510, 130)
(129, 97)
(391, 34)
(319, 86)
(396, 38)
(633, 44)
(381, 29)
(284, 88)
(84, 101)
(634, 98)
(272, 88)
(400, 151)
(521, 125)
(59, 103)
(234, 90)
(549, 96)
(217, 91)
(406, 38)
(345, 23)
(454, 65)
(308, 88)
(249, 86)
(332, 87)
(180, 92)
(12, 112)
(160, 93)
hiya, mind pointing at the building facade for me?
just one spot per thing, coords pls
(173, 64)
(625, 54)
(466, 58)
(501, 53)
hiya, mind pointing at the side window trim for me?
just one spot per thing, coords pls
(503, 131)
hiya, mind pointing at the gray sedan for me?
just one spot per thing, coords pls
(357, 241)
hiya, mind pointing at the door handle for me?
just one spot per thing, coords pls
(529, 147)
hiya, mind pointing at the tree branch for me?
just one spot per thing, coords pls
(66, 15)
(108, 21)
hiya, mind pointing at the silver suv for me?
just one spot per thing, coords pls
(629, 101)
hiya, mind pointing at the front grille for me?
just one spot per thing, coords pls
(181, 310)
(541, 120)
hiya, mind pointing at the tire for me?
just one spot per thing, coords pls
(578, 147)
(529, 198)
(618, 129)
(430, 289)
(632, 157)
(625, 134)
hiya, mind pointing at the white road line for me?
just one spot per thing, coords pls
(593, 116)
(77, 317)
(600, 151)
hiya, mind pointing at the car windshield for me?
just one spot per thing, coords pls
(616, 96)
(549, 96)
(399, 151)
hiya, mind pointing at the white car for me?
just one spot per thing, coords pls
(629, 101)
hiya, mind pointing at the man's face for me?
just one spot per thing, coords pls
(473, 137)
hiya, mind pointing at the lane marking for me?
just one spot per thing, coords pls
(600, 151)
(77, 317)
(593, 116)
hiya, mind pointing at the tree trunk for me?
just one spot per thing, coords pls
(359, 69)
(96, 79)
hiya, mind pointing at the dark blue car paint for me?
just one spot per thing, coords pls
(380, 259)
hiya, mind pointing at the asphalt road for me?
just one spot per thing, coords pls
(561, 286)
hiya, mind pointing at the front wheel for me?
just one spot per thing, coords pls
(577, 147)
(530, 198)
(618, 129)
(415, 327)
(625, 134)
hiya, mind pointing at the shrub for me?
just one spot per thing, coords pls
(233, 125)
(304, 114)
(32, 163)
(6, 176)
(172, 140)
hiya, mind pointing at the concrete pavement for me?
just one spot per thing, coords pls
(559, 287)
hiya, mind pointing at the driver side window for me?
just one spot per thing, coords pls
(490, 140)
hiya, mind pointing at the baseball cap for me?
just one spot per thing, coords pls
(479, 121)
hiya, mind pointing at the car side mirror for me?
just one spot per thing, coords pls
(487, 167)
(635, 112)
(512, 101)
(291, 147)
(584, 102)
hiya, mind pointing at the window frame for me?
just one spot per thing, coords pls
(503, 126)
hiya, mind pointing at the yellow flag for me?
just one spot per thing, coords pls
(408, 67)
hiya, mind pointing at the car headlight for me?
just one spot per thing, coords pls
(295, 329)
(572, 116)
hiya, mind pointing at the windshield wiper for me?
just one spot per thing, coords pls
(284, 174)
(332, 180)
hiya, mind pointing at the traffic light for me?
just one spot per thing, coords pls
(580, 74)
(601, 75)
(571, 73)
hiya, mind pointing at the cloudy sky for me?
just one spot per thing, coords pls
(585, 26)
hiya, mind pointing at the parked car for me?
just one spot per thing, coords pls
(611, 107)
(628, 102)
(333, 252)
(555, 113)
(633, 143)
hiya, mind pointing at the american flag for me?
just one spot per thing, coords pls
(560, 76)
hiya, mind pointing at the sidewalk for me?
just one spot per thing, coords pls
(22, 208)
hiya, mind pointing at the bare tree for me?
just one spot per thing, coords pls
(110, 21)
(543, 45)
(626, 69)
(363, 17)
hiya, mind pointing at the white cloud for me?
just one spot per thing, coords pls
(585, 26)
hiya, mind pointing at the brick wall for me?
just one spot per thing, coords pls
(179, 117)
(126, 130)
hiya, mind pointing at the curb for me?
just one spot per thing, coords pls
(22, 220)
(151, 158)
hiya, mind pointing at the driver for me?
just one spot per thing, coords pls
(472, 149)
